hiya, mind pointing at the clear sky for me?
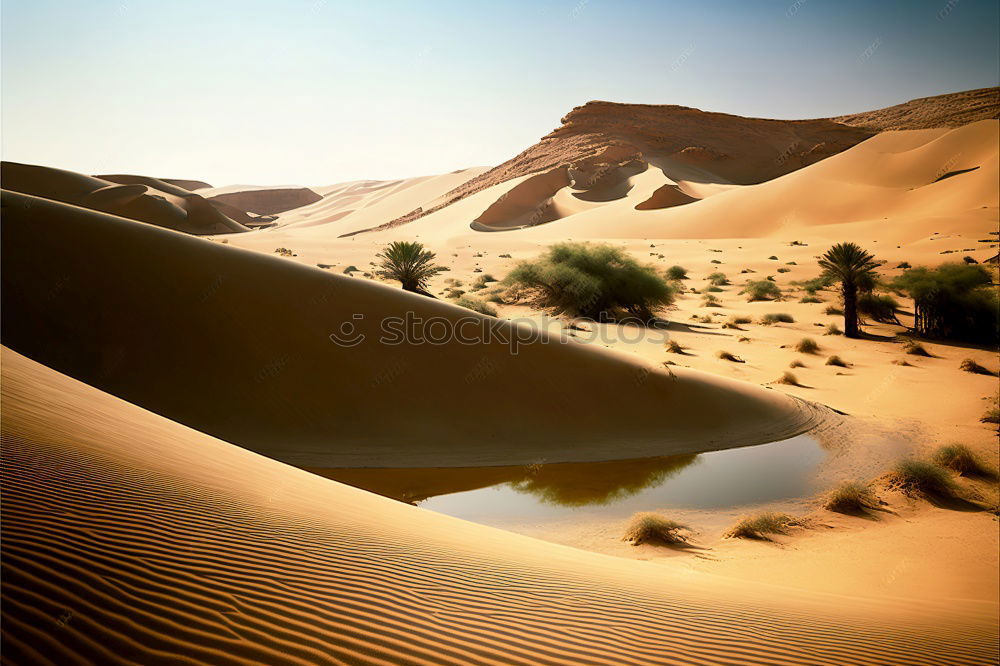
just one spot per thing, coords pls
(322, 91)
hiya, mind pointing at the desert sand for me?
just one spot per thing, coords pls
(169, 377)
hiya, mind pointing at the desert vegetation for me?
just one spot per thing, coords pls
(677, 273)
(952, 301)
(760, 526)
(761, 290)
(409, 263)
(647, 527)
(807, 346)
(837, 361)
(960, 458)
(599, 282)
(476, 305)
(921, 478)
(851, 497)
(777, 318)
(853, 268)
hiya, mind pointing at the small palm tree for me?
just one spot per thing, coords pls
(409, 263)
(853, 267)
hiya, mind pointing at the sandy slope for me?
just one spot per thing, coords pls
(131, 539)
(212, 338)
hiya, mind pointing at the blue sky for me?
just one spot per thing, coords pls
(322, 91)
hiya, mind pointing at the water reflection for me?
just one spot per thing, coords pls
(719, 479)
(564, 484)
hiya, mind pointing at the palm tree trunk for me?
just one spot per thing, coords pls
(850, 291)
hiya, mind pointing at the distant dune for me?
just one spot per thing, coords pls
(136, 197)
(712, 147)
(262, 200)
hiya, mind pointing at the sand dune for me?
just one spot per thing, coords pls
(135, 197)
(210, 339)
(261, 200)
(131, 539)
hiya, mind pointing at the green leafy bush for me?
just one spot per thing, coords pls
(476, 305)
(595, 281)
(761, 290)
(953, 301)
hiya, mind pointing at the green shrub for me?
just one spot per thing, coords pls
(777, 317)
(761, 290)
(476, 305)
(677, 273)
(811, 299)
(880, 307)
(917, 476)
(960, 458)
(851, 497)
(650, 528)
(595, 281)
(713, 289)
(718, 279)
(760, 525)
(807, 346)
(710, 301)
(953, 301)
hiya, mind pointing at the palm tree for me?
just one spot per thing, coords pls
(409, 263)
(853, 267)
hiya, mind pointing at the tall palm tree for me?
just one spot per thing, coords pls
(853, 267)
(409, 263)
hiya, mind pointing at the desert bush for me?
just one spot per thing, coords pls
(717, 279)
(677, 273)
(960, 458)
(837, 361)
(807, 346)
(648, 527)
(992, 415)
(350, 269)
(715, 290)
(740, 319)
(715, 261)
(761, 290)
(915, 349)
(504, 256)
(833, 329)
(409, 263)
(710, 301)
(953, 301)
(851, 497)
(833, 310)
(968, 365)
(595, 281)
(796, 364)
(726, 356)
(811, 299)
(759, 526)
(880, 307)
(917, 476)
(904, 265)
(777, 317)
(784, 270)
(788, 378)
(476, 305)
(773, 258)
(674, 348)
(494, 297)
(454, 292)
(969, 260)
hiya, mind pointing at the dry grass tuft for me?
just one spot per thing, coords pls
(968, 365)
(674, 348)
(807, 346)
(837, 361)
(960, 458)
(851, 497)
(915, 349)
(726, 356)
(760, 525)
(833, 329)
(648, 527)
(796, 364)
(789, 379)
(919, 477)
